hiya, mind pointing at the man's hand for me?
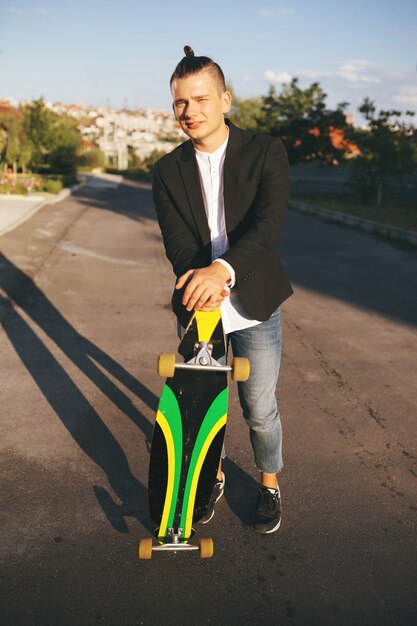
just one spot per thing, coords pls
(206, 287)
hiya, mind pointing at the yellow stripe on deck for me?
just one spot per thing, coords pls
(203, 453)
(161, 419)
(206, 323)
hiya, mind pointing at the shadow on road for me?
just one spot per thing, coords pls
(333, 259)
(240, 491)
(351, 266)
(131, 198)
(74, 410)
(76, 413)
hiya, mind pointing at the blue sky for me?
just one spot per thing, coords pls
(124, 51)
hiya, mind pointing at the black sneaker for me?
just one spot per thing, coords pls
(218, 491)
(267, 517)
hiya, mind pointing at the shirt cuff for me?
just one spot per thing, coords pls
(230, 283)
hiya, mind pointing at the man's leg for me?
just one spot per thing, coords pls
(261, 344)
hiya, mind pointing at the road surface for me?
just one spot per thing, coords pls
(84, 303)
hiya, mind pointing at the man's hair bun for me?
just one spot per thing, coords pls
(188, 51)
(190, 64)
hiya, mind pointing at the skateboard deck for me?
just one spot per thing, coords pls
(188, 434)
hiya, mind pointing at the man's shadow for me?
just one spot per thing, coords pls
(76, 413)
(74, 410)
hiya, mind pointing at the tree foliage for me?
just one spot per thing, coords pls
(387, 149)
(304, 123)
(34, 136)
(246, 113)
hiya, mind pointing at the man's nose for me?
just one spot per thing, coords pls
(191, 110)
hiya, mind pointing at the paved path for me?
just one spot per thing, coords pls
(84, 305)
(16, 209)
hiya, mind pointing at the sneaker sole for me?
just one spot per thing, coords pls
(266, 532)
(206, 521)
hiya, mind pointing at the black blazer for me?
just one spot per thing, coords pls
(256, 191)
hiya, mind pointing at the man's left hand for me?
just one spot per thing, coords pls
(206, 287)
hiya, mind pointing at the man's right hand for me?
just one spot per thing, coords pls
(207, 301)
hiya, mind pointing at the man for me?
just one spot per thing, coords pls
(221, 198)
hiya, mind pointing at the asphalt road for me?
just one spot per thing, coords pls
(84, 304)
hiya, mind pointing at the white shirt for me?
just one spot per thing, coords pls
(211, 172)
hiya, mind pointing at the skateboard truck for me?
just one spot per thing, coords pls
(174, 543)
(203, 360)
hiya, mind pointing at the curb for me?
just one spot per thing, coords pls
(64, 193)
(369, 226)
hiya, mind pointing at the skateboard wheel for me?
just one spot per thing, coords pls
(206, 548)
(166, 365)
(240, 368)
(145, 548)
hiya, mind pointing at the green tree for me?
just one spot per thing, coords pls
(246, 113)
(300, 117)
(49, 141)
(150, 160)
(13, 144)
(65, 143)
(37, 126)
(10, 129)
(89, 158)
(387, 149)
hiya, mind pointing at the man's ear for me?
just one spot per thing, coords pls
(173, 109)
(227, 101)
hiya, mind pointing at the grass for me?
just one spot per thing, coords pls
(399, 212)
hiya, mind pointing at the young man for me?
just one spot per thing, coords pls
(221, 198)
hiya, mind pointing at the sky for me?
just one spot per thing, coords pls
(122, 53)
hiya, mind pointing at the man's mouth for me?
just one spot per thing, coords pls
(193, 124)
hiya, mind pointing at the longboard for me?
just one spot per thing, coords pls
(188, 434)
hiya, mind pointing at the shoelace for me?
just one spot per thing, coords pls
(268, 500)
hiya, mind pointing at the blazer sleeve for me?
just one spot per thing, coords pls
(180, 244)
(264, 220)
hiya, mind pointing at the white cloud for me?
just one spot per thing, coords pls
(312, 74)
(283, 11)
(353, 72)
(15, 11)
(407, 96)
(20, 13)
(277, 77)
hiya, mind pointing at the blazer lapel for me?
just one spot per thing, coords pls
(191, 180)
(232, 163)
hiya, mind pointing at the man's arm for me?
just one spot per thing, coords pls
(180, 244)
(185, 255)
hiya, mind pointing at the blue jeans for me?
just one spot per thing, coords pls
(261, 344)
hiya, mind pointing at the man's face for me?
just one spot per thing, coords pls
(198, 105)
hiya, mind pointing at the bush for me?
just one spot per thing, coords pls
(363, 179)
(53, 186)
(90, 159)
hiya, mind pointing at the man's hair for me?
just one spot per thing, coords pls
(190, 64)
